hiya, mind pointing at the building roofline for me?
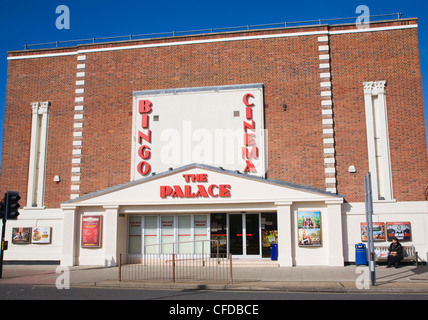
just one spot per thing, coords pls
(186, 34)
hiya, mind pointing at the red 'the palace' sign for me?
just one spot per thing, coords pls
(196, 191)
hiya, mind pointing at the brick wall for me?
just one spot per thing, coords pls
(392, 56)
(33, 80)
(289, 69)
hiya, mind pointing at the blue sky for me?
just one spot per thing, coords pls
(33, 21)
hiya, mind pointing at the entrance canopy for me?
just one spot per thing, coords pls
(202, 184)
(305, 216)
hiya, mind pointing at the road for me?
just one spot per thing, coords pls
(42, 292)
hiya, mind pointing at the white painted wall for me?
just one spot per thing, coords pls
(198, 125)
(352, 215)
(36, 218)
(415, 212)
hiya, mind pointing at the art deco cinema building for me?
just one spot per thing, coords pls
(246, 137)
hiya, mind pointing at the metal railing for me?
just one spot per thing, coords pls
(285, 24)
(175, 267)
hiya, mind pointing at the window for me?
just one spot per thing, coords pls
(167, 234)
(219, 233)
(36, 176)
(150, 234)
(201, 234)
(184, 234)
(134, 232)
(377, 139)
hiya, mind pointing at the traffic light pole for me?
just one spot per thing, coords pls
(9, 210)
(368, 195)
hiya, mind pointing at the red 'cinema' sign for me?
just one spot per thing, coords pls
(196, 191)
(250, 150)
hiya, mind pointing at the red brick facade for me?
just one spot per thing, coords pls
(289, 69)
(392, 56)
(46, 79)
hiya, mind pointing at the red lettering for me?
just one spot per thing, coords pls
(203, 177)
(249, 113)
(253, 154)
(211, 191)
(188, 192)
(249, 139)
(145, 121)
(165, 191)
(201, 191)
(144, 106)
(143, 153)
(143, 168)
(142, 136)
(224, 190)
(245, 100)
(177, 192)
(249, 125)
(250, 167)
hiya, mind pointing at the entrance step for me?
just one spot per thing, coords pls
(254, 263)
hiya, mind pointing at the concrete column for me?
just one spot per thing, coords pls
(285, 244)
(333, 232)
(70, 236)
(110, 235)
(43, 110)
(33, 150)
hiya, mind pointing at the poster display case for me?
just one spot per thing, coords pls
(378, 231)
(399, 230)
(41, 235)
(21, 235)
(309, 228)
(91, 232)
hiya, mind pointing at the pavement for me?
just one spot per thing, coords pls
(246, 277)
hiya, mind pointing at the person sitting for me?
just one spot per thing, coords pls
(395, 253)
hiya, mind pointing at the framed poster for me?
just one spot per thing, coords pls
(378, 231)
(269, 237)
(41, 235)
(21, 235)
(400, 230)
(91, 232)
(309, 228)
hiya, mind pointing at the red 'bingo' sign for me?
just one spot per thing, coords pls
(144, 137)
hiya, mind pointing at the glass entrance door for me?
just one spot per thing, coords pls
(244, 235)
(252, 234)
(235, 234)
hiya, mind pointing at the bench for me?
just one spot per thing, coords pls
(409, 254)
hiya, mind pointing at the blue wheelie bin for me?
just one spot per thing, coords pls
(274, 251)
(360, 254)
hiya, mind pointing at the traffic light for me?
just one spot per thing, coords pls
(12, 205)
(2, 209)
